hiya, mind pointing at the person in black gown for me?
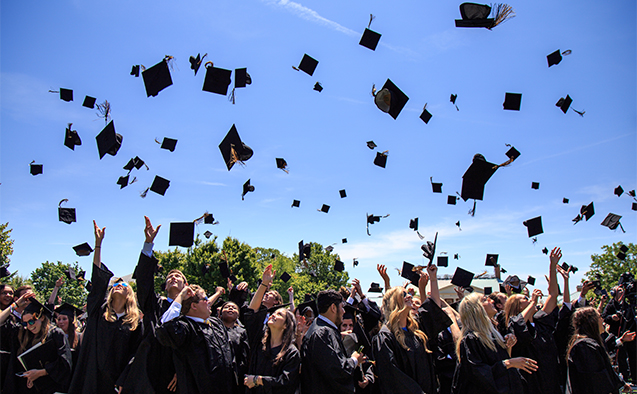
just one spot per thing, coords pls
(238, 336)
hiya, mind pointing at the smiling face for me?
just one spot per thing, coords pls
(34, 325)
(229, 312)
(489, 307)
(269, 299)
(276, 321)
(347, 325)
(120, 289)
(6, 296)
(62, 322)
(175, 280)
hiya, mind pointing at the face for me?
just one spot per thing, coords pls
(277, 320)
(309, 316)
(120, 289)
(502, 299)
(524, 302)
(347, 325)
(415, 303)
(202, 307)
(62, 322)
(32, 323)
(229, 312)
(487, 304)
(6, 296)
(175, 280)
(269, 299)
(408, 300)
(340, 311)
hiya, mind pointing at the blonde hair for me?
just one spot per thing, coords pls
(393, 306)
(475, 320)
(131, 312)
(27, 339)
(512, 307)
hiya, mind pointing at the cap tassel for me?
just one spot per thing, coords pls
(472, 211)
(295, 68)
(62, 201)
(54, 91)
(534, 239)
(144, 193)
(169, 61)
(420, 236)
(143, 67)
(234, 157)
(231, 96)
(133, 181)
(104, 110)
(371, 18)
(503, 12)
(567, 52)
(374, 90)
(622, 227)
(580, 113)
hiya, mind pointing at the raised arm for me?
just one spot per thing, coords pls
(530, 310)
(382, 270)
(218, 292)
(21, 302)
(266, 280)
(54, 293)
(99, 237)
(566, 299)
(551, 301)
(432, 270)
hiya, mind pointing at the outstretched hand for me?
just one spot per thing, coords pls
(99, 234)
(556, 255)
(149, 231)
(268, 275)
(382, 270)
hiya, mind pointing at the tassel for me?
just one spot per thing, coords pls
(61, 201)
(503, 12)
(371, 18)
(622, 227)
(231, 96)
(567, 52)
(104, 110)
(144, 193)
(54, 91)
(211, 64)
(580, 113)
(374, 90)
(143, 67)
(133, 181)
(157, 141)
(472, 211)
(421, 237)
(295, 68)
(169, 61)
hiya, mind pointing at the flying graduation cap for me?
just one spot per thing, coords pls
(619, 190)
(282, 165)
(233, 149)
(512, 101)
(89, 102)
(425, 116)
(436, 187)
(241, 80)
(370, 38)
(82, 250)
(308, 65)
(71, 138)
(381, 159)
(429, 249)
(247, 188)
(413, 224)
(305, 250)
(409, 272)
(157, 78)
(622, 252)
(35, 169)
(66, 215)
(477, 15)
(217, 80)
(556, 57)
(586, 211)
(195, 62)
(612, 221)
(534, 226)
(390, 99)
(168, 144)
(108, 141)
(564, 103)
(318, 87)
(371, 219)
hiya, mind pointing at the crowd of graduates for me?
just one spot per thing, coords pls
(189, 341)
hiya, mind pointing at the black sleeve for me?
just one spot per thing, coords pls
(289, 375)
(174, 334)
(518, 327)
(545, 322)
(390, 376)
(331, 361)
(99, 278)
(145, 275)
(491, 378)
(368, 369)
(254, 323)
(60, 369)
(432, 320)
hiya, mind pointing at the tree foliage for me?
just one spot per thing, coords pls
(6, 244)
(608, 267)
(44, 278)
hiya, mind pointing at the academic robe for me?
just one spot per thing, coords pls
(445, 360)
(410, 371)
(254, 323)
(107, 347)
(590, 370)
(536, 341)
(326, 367)
(203, 355)
(282, 378)
(364, 371)
(59, 371)
(241, 349)
(482, 371)
(562, 335)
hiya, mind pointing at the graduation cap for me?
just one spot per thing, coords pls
(531, 280)
(135, 70)
(375, 288)
(157, 78)
(477, 15)
(612, 221)
(207, 234)
(195, 62)
(634, 206)
(296, 203)
(462, 278)
(247, 188)
(354, 262)
(554, 58)
(309, 303)
(135, 162)
(281, 164)
(565, 200)
(390, 99)
(381, 159)
(35, 169)
(181, 234)
(515, 283)
(370, 39)
(308, 65)
(429, 249)
(456, 256)
(339, 266)
(425, 116)
(512, 153)
(217, 80)
(108, 141)
(305, 250)
(68, 310)
(329, 248)
(343, 193)
(512, 101)
(436, 187)
(36, 308)
(587, 211)
(71, 138)
(344, 240)
(453, 98)
(534, 226)
(122, 181)
(89, 102)
(564, 103)
(443, 261)
(208, 218)
(535, 185)
(371, 145)
(545, 250)
(66, 94)
(241, 78)
(413, 224)
(169, 143)
(318, 87)
(66, 215)
(159, 185)
(324, 208)
(476, 177)
(233, 149)
(622, 252)
(82, 250)
(451, 199)
(619, 190)
(371, 219)
(224, 270)
(4, 271)
(492, 260)
(408, 273)
(285, 277)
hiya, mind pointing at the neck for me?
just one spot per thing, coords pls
(276, 337)
(173, 292)
(119, 304)
(329, 317)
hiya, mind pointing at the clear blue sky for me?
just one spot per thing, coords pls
(90, 47)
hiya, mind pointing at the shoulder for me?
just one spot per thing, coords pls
(55, 333)
(586, 343)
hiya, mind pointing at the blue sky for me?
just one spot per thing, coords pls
(90, 48)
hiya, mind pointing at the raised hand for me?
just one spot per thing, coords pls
(382, 270)
(556, 255)
(59, 282)
(149, 231)
(99, 234)
(268, 275)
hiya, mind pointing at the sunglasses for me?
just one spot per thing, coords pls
(29, 322)
(404, 294)
(120, 284)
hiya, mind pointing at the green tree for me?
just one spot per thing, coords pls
(44, 278)
(321, 264)
(608, 267)
(6, 244)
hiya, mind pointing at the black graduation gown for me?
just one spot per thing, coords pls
(282, 378)
(202, 354)
(59, 371)
(538, 343)
(361, 372)
(445, 360)
(107, 347)
(563, 332)
(241, 349)
(254, 323)
(326, 367)
(481, 370)
(409, 371)
(590, 371)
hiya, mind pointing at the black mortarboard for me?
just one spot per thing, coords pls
(4, 271)
(565, 200)
(82, 250)
(308, 303)
(325, 208)
(375, 288)
(623, 248)
(534, 226)
(453, 98)
(247, 188)
(343, 193)
(195, 62)
(443, 261)
(108, 141)
(233, 149)
(70, 272)
(425, 116)
(208, 218)
(413, 224)
(492, 260)
(512, 101)
(370, 39)
(160, 185)
(588, 210)
(408, 273)
(329, 248)
(181, 234)
(531, 280)
(88, 286)
(622, 252)
(89, 102)
(36, 169)
(619, 190)
(397, 99)
(339, 266)
(436, 187)
(612, 221)
(135, 70)
(308, 64)
(135, 162)
(545, 250)
(217, 80)
(564, 103)
(169, 143)
(634, 206)
(318, 87)
(354, 262)
(68, 310)
(488, 290)
(456, 256)
(512, 153)
(535, 185)
(285, 277)
(224, 270)
(371, 145)
(381, 159)
(157, 78)
(241, 78)
(554, 58)
(296, 203)
(66, 94)
(36, 308)
(429, 249)
(344, 240)
(462, 278)
(451, 200)
(304, 250)
(71, 138)
(66, 215)
(475, 15)
(122, 181)
(207, 234)
(476, 177)
(281, 164)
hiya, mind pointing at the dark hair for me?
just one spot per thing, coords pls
(344, 292)
(21, 290)
(178, 272)
(326, 298)
(495, 297)
(585, 324)
(289, 335)
(348, 315)
(187, 303)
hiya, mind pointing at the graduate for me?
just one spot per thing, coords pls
(66, 320)
(256, 314)
(229, 315)
(274, 366)
(402, 347)
(589, 367)
(535, 330)
(485, 365)
(37, 330)
(113, 330)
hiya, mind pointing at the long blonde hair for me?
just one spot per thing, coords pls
(131, 312)
(475, 320)
(512, 307)
(27, 339)
(393, 307)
